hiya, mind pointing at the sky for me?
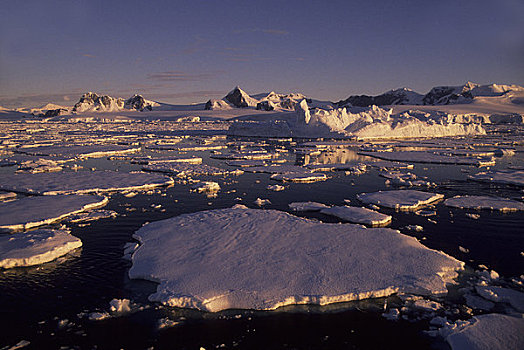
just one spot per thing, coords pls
(190, 51)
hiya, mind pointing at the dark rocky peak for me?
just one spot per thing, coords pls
(138, 102)
(238, 98)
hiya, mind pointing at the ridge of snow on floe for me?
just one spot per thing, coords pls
(24, 213)
(81, 182)
(263, 259)
(400, 199)
(36, 247)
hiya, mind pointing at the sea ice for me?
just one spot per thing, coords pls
(484, 202)
(81, 182)
(276, 188)
(428, 157)
(263, 259)
(502, 295)
(24, 213)
(260, 202)
(307, 206)
(511, 177)
(299, 177)
(487, 332)
(7, 195)
(358, 215)
(206, 186)
(36, 247)
(186, 169)
(400, 199)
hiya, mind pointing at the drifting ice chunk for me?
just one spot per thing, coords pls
(81, 182)
(428, 157)
(484, 202)
(92, 215)
(275, 188)
(299, 177)
(185, 169)
(260, 202)
(358, 215)
(488, 332)
(264, 259)
(36, 247)
(400, 199)
(206, 186)
(307, 206)
(22, 214)
(7, 195)
(511, 177)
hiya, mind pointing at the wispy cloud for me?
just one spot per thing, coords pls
(181, 76)
(88, 55)
(36, 100)
(270, 31)
(275, 31)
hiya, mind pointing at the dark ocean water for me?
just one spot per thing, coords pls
(47, 305)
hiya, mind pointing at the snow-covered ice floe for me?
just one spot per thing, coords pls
(511, 177)
(486, 332)
(36, 247)
(358, 215)
(400, 199)
(263, 259)
(81, 182)
(28, 212)
(206, 186)
(299, 177)
(429, 157)
(484, 202)
(185, 169)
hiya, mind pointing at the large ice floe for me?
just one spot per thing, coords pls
(510, 177)
(430, 157)
(28, 212)
(81, 182)
(358, 215)
(358, 122)
(484, 202)
(486, 332)
(36, 247)
(263, 259)
(400, 199)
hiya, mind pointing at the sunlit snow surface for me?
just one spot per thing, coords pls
(484, 202)
(263, 259)
(400, 199)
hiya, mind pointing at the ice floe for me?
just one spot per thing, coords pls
(400, 199)
(502, 295)
(81, 182)
(358, 215)
(429, 157)
(486, 332)
(24, 213)
(511, 177)
(36, 247)
(307, 206)
(206, 186)
(184, 169)
(299, 177)
(264, 259)
(484, 202)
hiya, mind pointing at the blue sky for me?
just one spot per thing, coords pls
(189, 51)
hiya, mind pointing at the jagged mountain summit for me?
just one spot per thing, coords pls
(92, 102)
(439, 95)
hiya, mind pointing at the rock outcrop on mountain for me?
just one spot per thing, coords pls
(239, 98)
(403, 96)
(91, 102)
(139, 103)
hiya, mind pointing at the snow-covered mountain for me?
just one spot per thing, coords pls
(139, 103)
(238, 98)
(439, 95)
(92, 102)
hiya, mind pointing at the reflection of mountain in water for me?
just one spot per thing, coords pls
(336, 156)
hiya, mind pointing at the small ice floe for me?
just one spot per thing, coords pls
(463, 250)
(484, 202)
(416, 228)
(117, 308)
(358, 169)
(81, 182)
(400, 199)
(406, 179)
(40, 165)
(129, 249)
(7, 195)
(473, 216)
(299, 177)
(483, 332)
(166, 323)
(511, 177)
(246, 163)
(358, 215)
(187, 160)
(307, 206)
(92, 215)
(389, 165)
(392, 314)
(502, 295)
(289, 260)
(261, 202)
(206, 186)
(275, 188)
(426, 212)
(25, 213)
(277, 169)
(478, 303)
(35, 247)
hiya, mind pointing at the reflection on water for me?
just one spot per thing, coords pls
(333, 156)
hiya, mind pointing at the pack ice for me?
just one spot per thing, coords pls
(36, 247)
(81, 182)
(263, 259)
(24, 213)
(484, 202)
